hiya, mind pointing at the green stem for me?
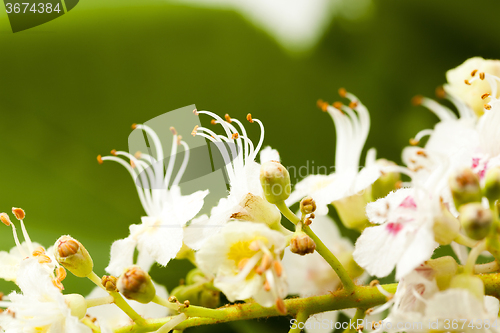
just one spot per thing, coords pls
(331, 259)
(360, 314)
(99, 301)
(473, 255)
(464, 240)
(492, 241)
(301, 318)
(287, 212)
(163, 302)
(119, 301)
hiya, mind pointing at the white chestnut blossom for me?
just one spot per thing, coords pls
(40, 307)
(245, 201)
(160, 235)
(343, 187)
(244, 259)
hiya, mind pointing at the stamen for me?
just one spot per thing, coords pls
(322, 105)
(137, 154)
(113, 152)
(38, 251)
(5, 219)
(414, 142)
(134, 126)
(44, 259)
(243, 262)
(353, 104)
(337, 105)
(484, 96)
(179, 139)
(481, 75)
(58, 284)
(99, 159)
(173, 130)
(267, 285)
(213, 122)
(440, 93)
(487, 106)
(132, 164)
(228, 119)
(249, 118)
(254, 246)
(467, 82)
(18, 213)
(60, 273)
(183, 167)
(280, 305)
(278, 268)
(195, 112)
(473, 72)
(193, 132)
(342, 92)
(417, 100)
(234, 136)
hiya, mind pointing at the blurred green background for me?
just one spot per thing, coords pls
(71, 88)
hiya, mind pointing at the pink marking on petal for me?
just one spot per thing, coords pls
(408, 202)
(475, 162)
(394, 228)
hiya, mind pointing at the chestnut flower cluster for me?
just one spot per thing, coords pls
(446, 194)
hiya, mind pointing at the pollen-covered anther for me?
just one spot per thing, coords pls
(487, 106)
(228, 118)
(322, 105)
(195, 129)
(414, 142)
(278, 268)
(43, 259)
(99, 159)
(467, 82)
(58, 284)
(484, 96)
(417, 100)
(342, 92)
(473, 72)
(38, 251)
(254, 246)
(267, 285)
(249, 118)
(234, 136)
(18, 213)
(113, 152)
(60, 273)
(337, 105)
(481, 75)
(179, 140)
(422, 153)
(353, 104)
(265, 264)
(137, 154)
(187, 303)
(243, 262)
(399, 184)
(5, 219)
(195, 112)
(213, 122)
(280, 305)
(109, 282)
(440, 93)
(173, 130)
(134, 126)
(132, 164)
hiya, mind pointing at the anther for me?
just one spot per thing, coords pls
(195, 112)
(280, 305)
(213, 122)
(440, 93)
(58, 284)
(413, 142)
(467, 82)
(483, 96)
(172, 299)
(187, 303)
(249, 117)
(99, 159)
(38, 251)
(481, 75)
(254, 246)
(243, 262)
(342, 92)
(417, 100)
(278, 268)
(132, 164)
(5, 219)
(43, 259)
(374, 283)
(137, 154)
(60, 273)
(234, 136)
(134, 126)
(267, 285)
(487, 106)
(228, 119)
(322, 105)
(337, 105)
(113, 152)
(179, 139)
(473, 72)
(353, 104)
(195, 129)
(422, 153)
(173, 130)
(19, 213)
(399, 184)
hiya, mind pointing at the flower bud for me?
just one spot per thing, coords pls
(109, 282)
(77, 305)
(492, 184)
(465, 188)
(302, 244)
(275, 181)
(71, 254)
(307, 205)
(469, 282)
(387, 181)
(446, 227)
(136, 284)
(444, 269)
(476, 220)
(351, 210)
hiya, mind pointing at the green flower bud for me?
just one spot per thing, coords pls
(446, 227)
(307, 205)
(465, 187)
(302, 244)
(136, 284)
(275, 181)
(469, 282)
(76, 304)
(445, 268)
(492, 184)
(71, 254)
(387, 182)
(351, 210)
(476, 220)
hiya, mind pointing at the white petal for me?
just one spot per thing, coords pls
(122, 255)
(268, 154)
